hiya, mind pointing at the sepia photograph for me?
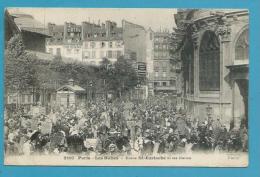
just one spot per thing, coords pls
(126, 87)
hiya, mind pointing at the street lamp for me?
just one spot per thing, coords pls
(91, 90)
(68, 99)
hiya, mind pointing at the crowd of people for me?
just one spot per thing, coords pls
(153, 126)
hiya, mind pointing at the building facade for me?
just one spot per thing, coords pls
(102, 41)
(150, 60)
(88, 42)
(214, 54)
(134, 36)
(66, 41)
(160, 72)
(164, 78)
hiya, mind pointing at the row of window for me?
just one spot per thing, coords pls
(57, 52)
(72, 51)
(74, 29)
(161, 46)
(161, 54)
(103, 44)
(68, 51)
(209, 61)
(157, 68)
(161, 39)
(78, 35)
(171, 83)
(95, 35)
(74, 34)
(55, 34)
(88, 54)
(161, 65)
(75, 40)
(102, 54)
(156, 74)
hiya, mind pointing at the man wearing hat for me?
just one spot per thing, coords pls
(172, 140)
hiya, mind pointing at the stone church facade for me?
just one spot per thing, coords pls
(214, 51)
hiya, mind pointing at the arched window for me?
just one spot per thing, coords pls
(241, 47)
(209, 63)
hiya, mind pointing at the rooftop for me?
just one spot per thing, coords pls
(110, 38)
(74, 88)
(26, 22)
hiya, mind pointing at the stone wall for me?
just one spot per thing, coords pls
(227, 103)
(134, 37)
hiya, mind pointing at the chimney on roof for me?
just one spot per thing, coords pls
(71, 82)
(65, 30)
(50, 27)
(103, 26)
(108, 28)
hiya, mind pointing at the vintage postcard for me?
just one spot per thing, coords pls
(126, 87)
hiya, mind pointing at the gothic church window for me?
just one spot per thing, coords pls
(209, 63)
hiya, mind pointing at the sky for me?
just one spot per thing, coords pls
(157, 19)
